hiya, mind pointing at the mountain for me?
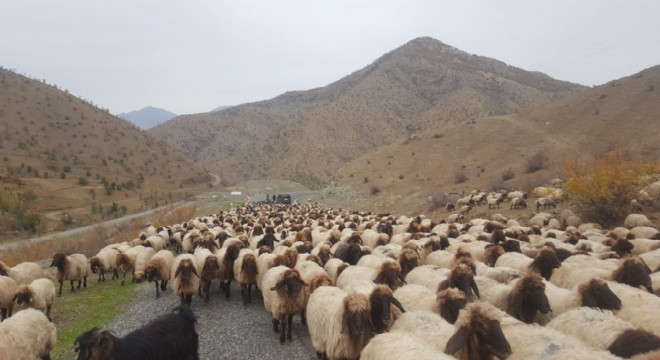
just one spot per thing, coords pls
(307, 135)
(221, 108)
(621, 115)
(148, 117)
(65, 154)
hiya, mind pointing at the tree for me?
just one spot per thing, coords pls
(604, 187)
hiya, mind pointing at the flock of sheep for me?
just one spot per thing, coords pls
(376, 286)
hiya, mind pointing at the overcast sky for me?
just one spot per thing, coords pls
(192, 56)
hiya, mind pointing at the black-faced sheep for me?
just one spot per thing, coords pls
(283, 297)
(461, 277)
(340, 324)
(615, 335)
(208, 269)
(447, 302)
(39, 294)
(594, 294)
(171, 336)
(73, 268)
(350, 253)
(579, 270)
(544, 263)
(185, 278)
(523, 298)
(23, 273)
(27, 335)
(478, 334)
(159, 269)
(7, 293)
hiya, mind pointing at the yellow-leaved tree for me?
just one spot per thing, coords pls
(603, 188)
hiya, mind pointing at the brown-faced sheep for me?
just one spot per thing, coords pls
(446, 303)
(185, 278)
(226, 257)
(208, 269)
(387, 273)
(104, 261)
(478, 334)
(73, 268)
(283, 297)
(523, 298)
(578, 270)
(544, 263)
(7, 292)
(340, 324)
(594, 294)
(245, 273)
(159, 269)
(27, 335)
(39, 294)
(461, 277)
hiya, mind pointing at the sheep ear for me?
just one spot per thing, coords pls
(457, 341)
(402, 279)
(194, 271)
(177, 272)
(277, 286)
(302, 282)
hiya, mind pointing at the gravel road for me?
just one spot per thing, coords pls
(226, 329)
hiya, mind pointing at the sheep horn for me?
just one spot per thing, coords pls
(401, 278)
(473, 285)
(398, 304)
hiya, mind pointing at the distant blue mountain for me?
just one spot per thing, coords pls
(221, 108)
(148, 117)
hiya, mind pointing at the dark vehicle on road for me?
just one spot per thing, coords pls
(283, 199)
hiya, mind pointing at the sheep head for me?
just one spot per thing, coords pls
(478, 335)
(380, 302)
(408, 260)
(528, 297)
(357, 326)
(545, 262)
(211, 266)
(291, 281)
(95, 264)
(95, 344)
(59, 261)
(622, 247)
(186, 269)
(450, 302)
(389, 273)
(150, 272)
(634, 272)
(23, 295)
(493, 252)
(461, 277)
(597, 294)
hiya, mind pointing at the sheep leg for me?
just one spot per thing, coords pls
(303, 319)
(207, 290)
(123, 279)
(290, 322)
(163, 285)
(276, 326)
(283, 327)
(85, 282)
(4, 314)
(227, 288)
(61, 284)
(244, 294)
(115, 274)
(80, 283)
(157, 292)
(249, 293)
(72, 289)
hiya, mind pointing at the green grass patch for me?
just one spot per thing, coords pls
(75, 313)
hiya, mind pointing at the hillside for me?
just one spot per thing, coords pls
(308, 135)
(64, 154)
(620, 115)
(148, 117)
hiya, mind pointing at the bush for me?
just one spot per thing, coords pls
(604, 188)
(536, 162)
(83, 181)
(375, 190)
(508, 175)
(460, 177)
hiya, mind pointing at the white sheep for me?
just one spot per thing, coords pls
(399, 345)
(74, 267)
(156, 242)
(141, 262)
(126, 260)
(633, 220)
(7, 292)
(641, 245)
(429, 276)
(27, 335)
(335, 267)
(23, 273)
(372, 238)
(645, 232)
(578, 270)
(185, 278)
(159, 269)
(39, 294)
(283, 297)
(595, 294)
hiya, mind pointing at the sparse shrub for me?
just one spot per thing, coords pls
(508, 175)
(366, 179)
(375, 190)
(536, 162)
(83, 181)
(66, 219)
(604, 188)
(460, 177)
(62, 175)
(401, 177)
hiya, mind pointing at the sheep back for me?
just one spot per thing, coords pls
(27, 335)
(40, 294)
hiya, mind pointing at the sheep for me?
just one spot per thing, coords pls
(159, 269)
(313, 275)
(105, 260)
(340, 324)
(447, 302)
(266, 261)
(615, 335)
(400, 346)
(501, 274)
(645, 232)
(478, 334)
(7, 292)
(184, 284)
(652, 259)
(226, 258)
(126, 260)
(350, 253)
(245, 273)
(641, 245)
(27, 335)
(633, 220)
(208, 268)
(23, 273)
(283, 298)
(518, 203)
(372, 238)
(387, 273)
(39, 294)
(429, 276)
(595, 294)
(523, 298)
(170, 336)
(335, 267)
(73, 267)
(141, 262)
(630, 271)
(544, 263)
